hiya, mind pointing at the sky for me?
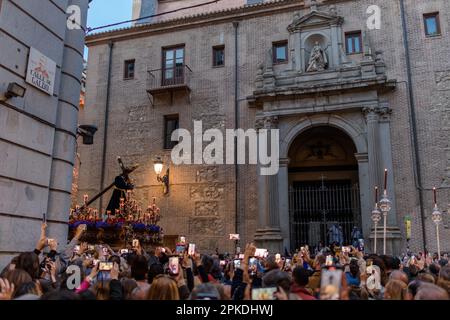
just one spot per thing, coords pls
(103, 12)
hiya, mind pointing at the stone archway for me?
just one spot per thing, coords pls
(291, 130)
(323, 187)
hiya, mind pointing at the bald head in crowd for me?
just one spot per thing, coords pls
(399, 275)
(428, 291)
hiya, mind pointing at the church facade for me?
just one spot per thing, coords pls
(349, 97)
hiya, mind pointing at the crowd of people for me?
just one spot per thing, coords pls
(337, 273)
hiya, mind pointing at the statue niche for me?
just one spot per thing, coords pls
(318, 60)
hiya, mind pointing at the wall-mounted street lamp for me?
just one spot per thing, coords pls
(14, 90)
(87, 132)
(159, 165)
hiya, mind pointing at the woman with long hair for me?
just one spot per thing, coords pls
(163, 288)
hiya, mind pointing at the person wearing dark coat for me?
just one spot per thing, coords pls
(121, 185)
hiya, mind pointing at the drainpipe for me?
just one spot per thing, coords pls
(413, 121)
(236, 124)
(105, 132)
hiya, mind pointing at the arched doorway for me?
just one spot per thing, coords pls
(324, 198)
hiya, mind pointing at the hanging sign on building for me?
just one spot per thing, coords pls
(41, 71)
(408, 227)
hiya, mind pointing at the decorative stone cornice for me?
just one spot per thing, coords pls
(314, 19)
(268, 122)
(375, 112)
(271, 122)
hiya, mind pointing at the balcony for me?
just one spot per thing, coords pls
(168, 81)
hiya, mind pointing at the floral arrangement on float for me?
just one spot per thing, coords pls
(127, 223)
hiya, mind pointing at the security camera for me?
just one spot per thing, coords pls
(87, 132)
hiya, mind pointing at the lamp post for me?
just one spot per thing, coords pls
(376, 217)
(436, 216)
(158, 166)
(385, 207)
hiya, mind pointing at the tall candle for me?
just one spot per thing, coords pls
(385, 179)
(376, 195)
(434, 196)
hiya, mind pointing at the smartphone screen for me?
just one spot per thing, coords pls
(287, 264)
(180, 248)
(264, 293)
(330, 284)
(222, 263)
(261, 253)
(173, 265)
(329, 260)
(237, 263)
(345, 249)
(277, 258)
(191, 249)
(135, 243)
(253, 265)
(105, 266)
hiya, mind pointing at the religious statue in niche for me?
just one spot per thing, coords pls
(318, 60)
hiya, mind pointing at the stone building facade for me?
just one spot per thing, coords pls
(349, 101)
(38, 130)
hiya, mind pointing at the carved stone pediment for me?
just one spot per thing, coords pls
(314, 19)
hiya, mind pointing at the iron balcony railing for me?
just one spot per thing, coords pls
(167, 78)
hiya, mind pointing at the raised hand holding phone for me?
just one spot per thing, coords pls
(174, 264)
(197, 259)
(191, 249)
(53, 244)
(186, 262)
(115, 271)
(80, 230)
(42, 242)
(6, 289)
(280, 294)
